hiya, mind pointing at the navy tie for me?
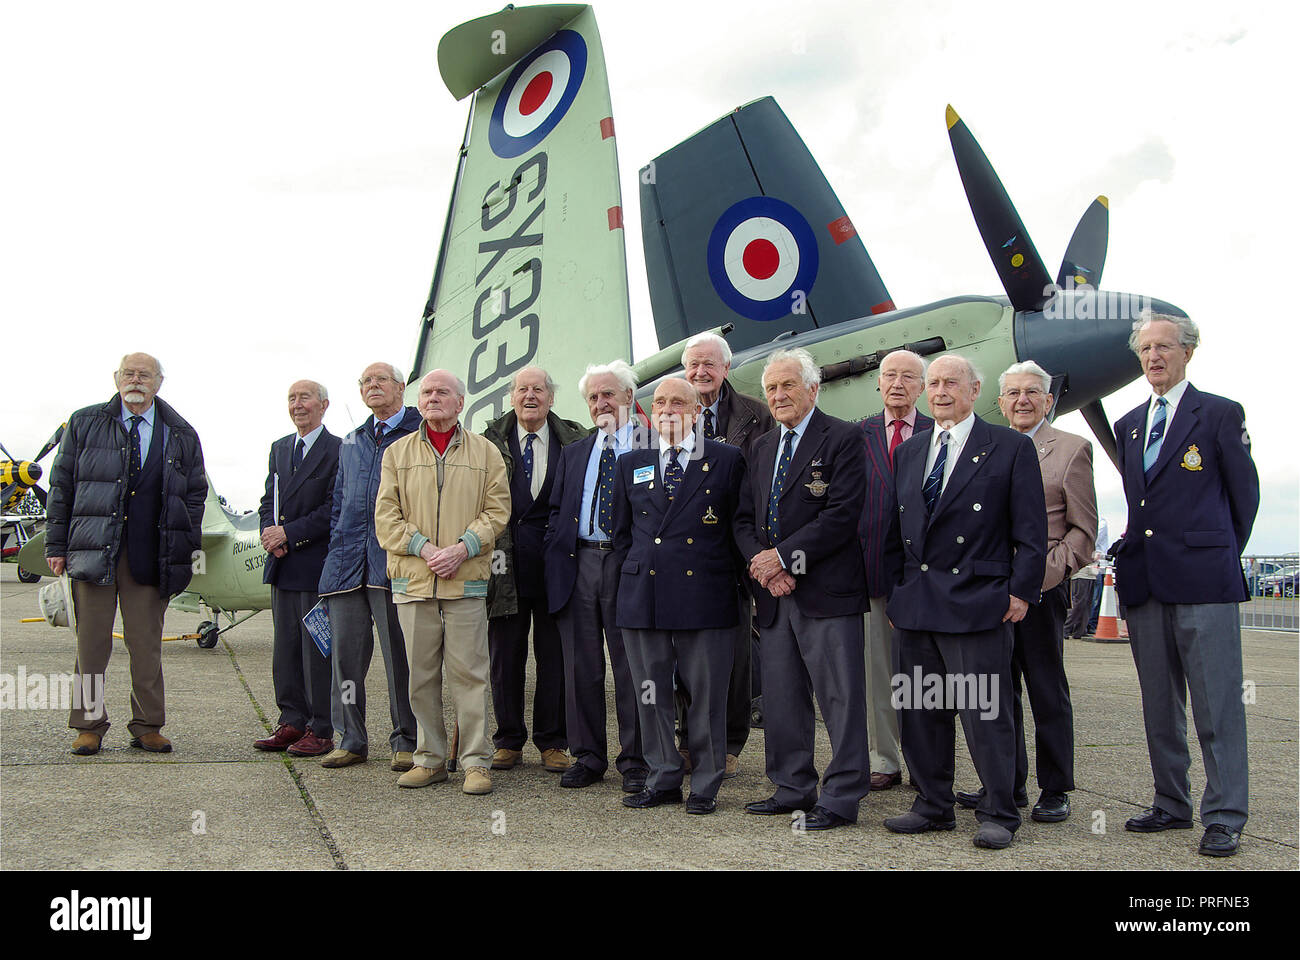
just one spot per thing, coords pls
(673, 474)
(1156, 437)
(528, 458)
(934, 482)
(134, 466)
(710, 432)
(296, 461)
(602, 498)
(778, 485)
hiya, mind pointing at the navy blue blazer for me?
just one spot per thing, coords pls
(306, 501)
(1189, 522)
(819, 510)
(879, 507)
(956, 570)
(560, 546)
(677, 561)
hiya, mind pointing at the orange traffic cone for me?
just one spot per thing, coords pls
(1108, 616)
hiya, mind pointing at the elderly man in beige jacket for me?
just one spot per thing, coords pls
(443, 500)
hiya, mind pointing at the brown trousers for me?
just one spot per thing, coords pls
(142, 623)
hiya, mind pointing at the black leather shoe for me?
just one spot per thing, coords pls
(819, 818)
(972, 800)
(634, 780)
(696, 804)
(580, 775)
(1052, 807)
(1155, 820)
(1219, 841)
(770, 807)
(653, 798)
(916, 823)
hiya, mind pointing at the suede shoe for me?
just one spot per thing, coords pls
(819, 818)
(652, 798)
(423, 776)
(477, 781)
(1155, 820)
(342, 758)
(1053, 806)
(883, 781)
(698, 804)
(634, 780)
(152, 742)
(992, 836)
(402, 761)
(311, 746)
(1219, 841)
(732, 767)
(86, 744)
(580, 775)
(285, 736)
(555, 760)
(771, 807)
(911, 822)
(504, 759)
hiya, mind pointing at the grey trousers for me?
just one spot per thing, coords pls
(1193, 647)
(803, 656)
(739, 687)
(300, 674)
(882, 664)
(704, 660)
(355, 616)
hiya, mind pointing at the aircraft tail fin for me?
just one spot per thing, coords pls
(740, 225)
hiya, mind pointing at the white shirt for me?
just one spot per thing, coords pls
(539, 454)
(665, 450)
(1031, 433)
(798, 431)
(308, 440)
(1171, 398)
(957, 437)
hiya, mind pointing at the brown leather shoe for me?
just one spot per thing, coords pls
(554, 760)
(686, 758)
(504, 759)
(732, 767)
(86, 744)
(311, 746)
(153, 742)
(284, 736)
(883, 781)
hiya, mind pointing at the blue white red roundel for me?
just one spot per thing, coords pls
(537, 94)
(760, 252)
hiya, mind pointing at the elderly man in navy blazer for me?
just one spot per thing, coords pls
(901, 383)
(300, 486)
(803, 491)
(1193, 493)
(673, 510)
(582, 581)
(967, 552)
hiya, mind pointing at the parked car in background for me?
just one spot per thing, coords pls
(1281, 579)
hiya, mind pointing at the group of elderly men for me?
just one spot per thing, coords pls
(661, 542)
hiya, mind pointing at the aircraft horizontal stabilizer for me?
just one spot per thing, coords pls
(473, 53)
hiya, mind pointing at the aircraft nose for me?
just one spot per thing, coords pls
(1084, 333)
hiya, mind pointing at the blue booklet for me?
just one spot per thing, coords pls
(317, 623)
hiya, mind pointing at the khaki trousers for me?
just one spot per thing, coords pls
(453, 632)
(142, 624)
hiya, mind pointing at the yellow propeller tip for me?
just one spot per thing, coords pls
(1104, 202)
(951, 116)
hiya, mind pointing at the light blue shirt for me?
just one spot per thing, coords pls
(588, 529)
(308, 440)
(391, 423)
(146, 429)
(798, 432)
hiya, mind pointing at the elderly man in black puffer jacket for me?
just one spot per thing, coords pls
(123, 519)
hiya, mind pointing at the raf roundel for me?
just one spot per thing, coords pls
(762, 251)
(537, 94)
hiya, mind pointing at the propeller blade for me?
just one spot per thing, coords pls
(1086, 254)
(41, 495)
(1095, 414)
(1019, 267)
(8, 455)
(50, 444)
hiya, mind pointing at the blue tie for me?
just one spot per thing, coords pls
(673, 473)
(778, 485)
(296, 460)
(602, 498)
(934, 482)
(134, 466)
(1156, 437)
(710, 433)
(528, 458)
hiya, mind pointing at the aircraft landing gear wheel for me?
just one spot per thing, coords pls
(208, 632)
(25, 577)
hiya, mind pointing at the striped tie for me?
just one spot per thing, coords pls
(934, 482)
(778, 485)
(1156, 438)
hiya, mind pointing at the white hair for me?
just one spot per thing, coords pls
(621, 370)
(1026, 366)
(550, 384)
(711, 339)
(972, 373)
(809, 372)
(1189, 334)
(907, 353)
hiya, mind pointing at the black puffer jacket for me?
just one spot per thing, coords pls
(84, 515)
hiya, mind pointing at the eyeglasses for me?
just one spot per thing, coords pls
(145, 375)
(375, 381)
(1033, 393)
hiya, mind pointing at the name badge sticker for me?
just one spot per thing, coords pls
(643, 474)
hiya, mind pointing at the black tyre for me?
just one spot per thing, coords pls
(208, 634)
(25, 577)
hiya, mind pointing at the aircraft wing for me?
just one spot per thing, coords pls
(532, 268)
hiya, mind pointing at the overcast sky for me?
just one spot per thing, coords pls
(254, 192)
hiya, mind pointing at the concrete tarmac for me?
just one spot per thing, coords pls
(216, 803)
